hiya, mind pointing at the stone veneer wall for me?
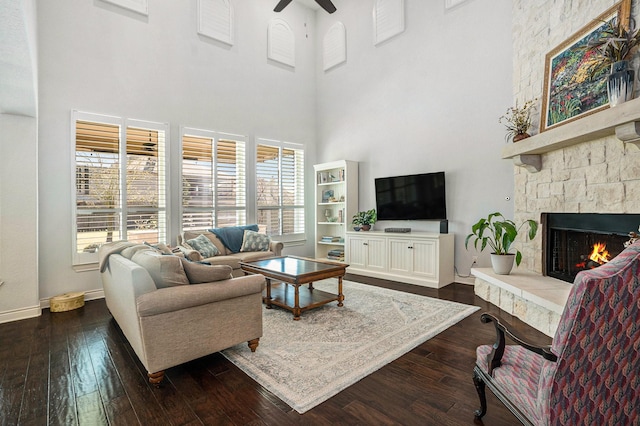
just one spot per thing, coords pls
(600, 176)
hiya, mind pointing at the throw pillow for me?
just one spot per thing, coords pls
(232, 236)
(166, 271)
(199, 273)
(255, 241)
(204, 246)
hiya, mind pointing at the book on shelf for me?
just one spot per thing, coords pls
(336, 254)
(330, 239)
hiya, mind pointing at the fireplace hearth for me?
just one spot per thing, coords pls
(577, 241)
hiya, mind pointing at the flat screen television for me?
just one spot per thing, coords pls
(411, 197)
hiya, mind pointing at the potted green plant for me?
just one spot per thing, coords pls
(612, 50)
(517, 120)
(499, 233)
(363, 220)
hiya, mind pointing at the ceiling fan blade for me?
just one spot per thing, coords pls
(326, 5)
(281, 5)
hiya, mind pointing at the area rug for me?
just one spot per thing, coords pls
(306, 362)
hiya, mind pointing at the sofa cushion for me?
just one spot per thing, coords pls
(255, 241)
(189, 235)
(232, 236)
(204, 246)
(165, 270)
(198, 272)
(250, 256)
(190, 253)
(161, 247)
(130, 251)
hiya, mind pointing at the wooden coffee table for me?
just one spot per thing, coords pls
(297, 271)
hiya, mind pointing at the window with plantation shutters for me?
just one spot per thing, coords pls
(280, 187)
(214, 181)
(120, 180)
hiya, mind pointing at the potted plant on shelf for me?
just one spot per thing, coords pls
(363, 220)
(517, 120)
(499, 233)
(612, 50)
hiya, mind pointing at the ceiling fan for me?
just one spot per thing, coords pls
(325, 4)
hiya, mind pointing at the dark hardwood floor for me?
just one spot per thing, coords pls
(76, 368)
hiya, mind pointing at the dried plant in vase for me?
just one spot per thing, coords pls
(615, 43)
(612, 50)
(517, 120)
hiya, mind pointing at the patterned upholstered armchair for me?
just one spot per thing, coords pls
(590, 374)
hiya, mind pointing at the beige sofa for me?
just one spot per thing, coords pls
(168, 321)
(226, 257)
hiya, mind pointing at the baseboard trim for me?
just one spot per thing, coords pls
(88, 295)
(20, 314)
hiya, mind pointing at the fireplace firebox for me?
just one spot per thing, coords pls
(574, 242)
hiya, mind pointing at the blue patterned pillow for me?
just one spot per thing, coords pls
(204, 246)
(255, 241)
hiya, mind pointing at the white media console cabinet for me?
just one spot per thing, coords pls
(419, 258)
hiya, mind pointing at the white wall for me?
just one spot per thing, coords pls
(18, 218)
(18, 161)
(99, 58)
(426, 100)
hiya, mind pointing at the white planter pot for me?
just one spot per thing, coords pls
(502, 263)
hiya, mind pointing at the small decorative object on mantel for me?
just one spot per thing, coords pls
(517, 120)
(613, 49)
(633, 237)
(501, 233)
(363, 220)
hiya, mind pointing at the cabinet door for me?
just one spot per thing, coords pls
(425, 257)
(400, 257)
(377, 254)
(357, 252)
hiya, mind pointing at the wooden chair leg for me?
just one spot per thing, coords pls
(156, 378)
(253, 344)
(480, 388)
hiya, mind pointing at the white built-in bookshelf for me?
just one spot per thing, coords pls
(336, 201)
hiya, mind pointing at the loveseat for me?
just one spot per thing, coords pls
(231, 246)
(172, 310)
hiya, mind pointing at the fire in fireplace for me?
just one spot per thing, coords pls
(577, 241)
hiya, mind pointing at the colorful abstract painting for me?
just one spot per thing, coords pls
(571, 91)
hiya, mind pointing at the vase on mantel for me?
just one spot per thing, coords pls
(519, 136)
(620, 83)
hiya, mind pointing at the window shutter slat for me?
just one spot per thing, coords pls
(103, 198)
(280, 189)
(214, 190)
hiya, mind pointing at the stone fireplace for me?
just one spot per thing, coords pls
(590, 165)
(567, 178)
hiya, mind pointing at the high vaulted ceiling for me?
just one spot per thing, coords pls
(309, 3)
(18, 73)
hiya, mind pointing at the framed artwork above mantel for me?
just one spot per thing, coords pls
(570, 92)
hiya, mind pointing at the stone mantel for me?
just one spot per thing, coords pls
(622, 120)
